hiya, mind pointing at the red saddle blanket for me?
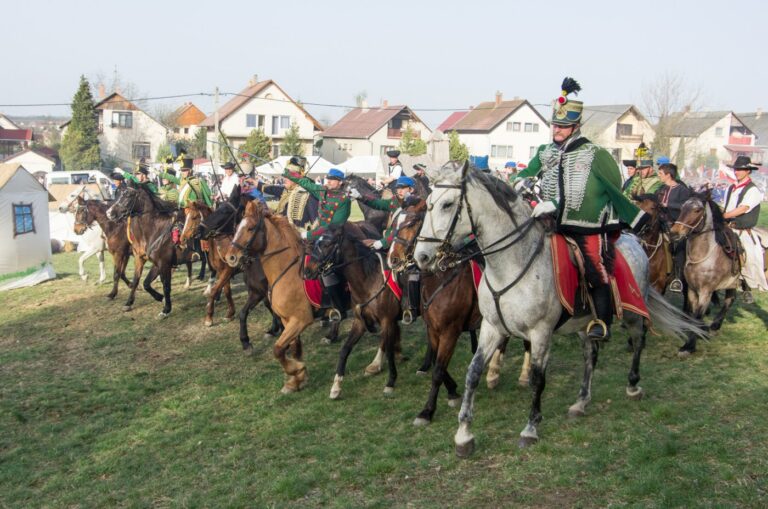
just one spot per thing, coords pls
(313, 289)
(625, 288)
(477, 274)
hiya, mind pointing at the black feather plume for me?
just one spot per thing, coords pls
(571, 86)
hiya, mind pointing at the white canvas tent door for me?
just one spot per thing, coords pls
(25, 242)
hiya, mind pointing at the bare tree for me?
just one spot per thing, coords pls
(666, 101)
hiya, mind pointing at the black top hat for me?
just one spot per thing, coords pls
(419, 167)
(298, 161)
(229, 165)
(393, 153)
(169, 160)
(142, 168)
(186, 163)
(743, 163)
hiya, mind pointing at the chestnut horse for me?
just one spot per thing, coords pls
(708, 267)
(276, 243)
(373, 303)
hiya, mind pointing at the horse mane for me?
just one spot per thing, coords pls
(501, 193)
(357, 232)
(161, 206)
(361, 183)
(283, 225)
(648, 196)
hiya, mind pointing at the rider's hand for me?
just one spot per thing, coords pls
(519, 185)
(354, 193)
(368, 242)
(377, 245)
(545, 207)
(305, 235)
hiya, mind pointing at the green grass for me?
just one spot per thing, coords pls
(100, 408)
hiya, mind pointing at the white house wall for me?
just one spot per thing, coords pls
(706, 142)
(642, 131)
(338, 150)
(33, 162)
(118, 141)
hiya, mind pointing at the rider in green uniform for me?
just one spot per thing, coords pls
(141, 177)
(191, 188)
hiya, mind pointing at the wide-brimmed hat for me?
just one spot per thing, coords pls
(405, 181)
(742, 163)
(117, 176)
(567, 112)
(629, 163)
(393, 153)
(335, 174)
(229, 165)
(419, 167)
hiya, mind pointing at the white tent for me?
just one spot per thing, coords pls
(25, 241)
(316, 164)
(365, 166)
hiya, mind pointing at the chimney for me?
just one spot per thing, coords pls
(254, 79)
(102, 91)
(364, 105)
(687, 109)
(758, 113)
(498, 98)
(384, 104)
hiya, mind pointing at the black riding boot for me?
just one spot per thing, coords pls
(600, 329)
(414, 298)
(334, 288)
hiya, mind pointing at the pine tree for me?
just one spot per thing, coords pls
(457, 150)
(292, 145)
(411, 144)
(200, 142)
(80, 146)
(257, 144)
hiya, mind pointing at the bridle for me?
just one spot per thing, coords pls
(128, 211)
(82, 209)
(698, 227)
(411, 219)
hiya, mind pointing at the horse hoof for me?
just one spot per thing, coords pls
(522, 382)
(465, 450)
(421, 372)
(127, 308)
(420, 421)
(84, 278)
(492, 383)
(389, 391)
(576, 413)
(248, 350)
(325, 341)
(288, 390)
(684, 354)
(110, 297)
(372, 370)
(226, 319)
(526, 442)
(162, 315)
(454, 402)
(635, 393)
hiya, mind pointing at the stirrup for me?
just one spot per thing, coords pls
(407, 317)
(676, 286)
(605, 336)
(747, 298)
(334, 315)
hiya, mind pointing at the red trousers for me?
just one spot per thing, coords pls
(598, 250)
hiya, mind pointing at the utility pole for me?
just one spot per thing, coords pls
(215, 144)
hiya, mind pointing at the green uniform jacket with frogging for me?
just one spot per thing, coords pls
(334, 207)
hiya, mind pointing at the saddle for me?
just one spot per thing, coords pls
(729, 241)
(568, 266)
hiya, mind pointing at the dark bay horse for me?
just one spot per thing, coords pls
(373, 303)
(88, 211)
(274, 240)
(655, 244)
(149, 222)
(712, 259)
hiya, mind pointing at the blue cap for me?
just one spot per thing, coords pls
(256, 195)
(334, 173)
(405, 181)
(510, 164)
(662, 160)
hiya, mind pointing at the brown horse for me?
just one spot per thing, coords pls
(708, 265)
(276, 243)
(655, 243)
(149, 223)
(375, 306)
(88, 211)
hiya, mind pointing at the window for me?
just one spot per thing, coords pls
(250, 120)
(275, 150)
(623, 129)
(23, 221)
(501, 151)
(186, 130)
(281, 122)
(122, 119)
(531, 152)
(516, 126)
(718, 131)
(285, 122)
(275, 125)
(140, 149)
(531, 127)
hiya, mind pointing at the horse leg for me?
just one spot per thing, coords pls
(525, 370)
(429, 355)
(124, 258)
(390, 332)
(376, 365)
(489, 341)
(102, 269)
(494, 367)
(730, 295)
(276, 328)
(211, 298)
(138, 268)
(699, 302)
(444, 345)
(473, 341)
(151, 275)
(230, 302)
(188, 282)
(333, 333)
(293, 368)
(637, 330)
(540, 346)
(203, 260)
(590, 349)
(250, 303)
(81, 265)
(355, 333)
(165, 277)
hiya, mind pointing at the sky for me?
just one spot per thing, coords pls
(430, 55)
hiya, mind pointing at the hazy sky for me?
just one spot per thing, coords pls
(445, 55)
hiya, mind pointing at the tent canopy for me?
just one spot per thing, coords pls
(316, 164)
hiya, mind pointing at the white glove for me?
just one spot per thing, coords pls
(519, 185)
(545, 207)
(377, 245)
(354, 193)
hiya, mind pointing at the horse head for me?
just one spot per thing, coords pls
(82, 217)
(406, 229)
(692, 217)
(444, 220)
(250, 236)
(323, 254)
(194, 215)
(125, 205)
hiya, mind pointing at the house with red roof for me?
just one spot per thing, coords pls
(261, 105)
(185, 121)
(503, 130)
(14, 140)
(371, 131)
(711, 138)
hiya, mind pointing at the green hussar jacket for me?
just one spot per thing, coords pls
(334, 207)
(190, 189)
(391, 205)
(584, 182)
(169, 193)
(639, 185)
(149, 185)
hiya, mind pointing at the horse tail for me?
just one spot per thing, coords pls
(672, 321)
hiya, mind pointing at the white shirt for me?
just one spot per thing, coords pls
(228, 183)
(395, 171)
(752, 199)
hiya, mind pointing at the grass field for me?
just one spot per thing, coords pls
(100, 408)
